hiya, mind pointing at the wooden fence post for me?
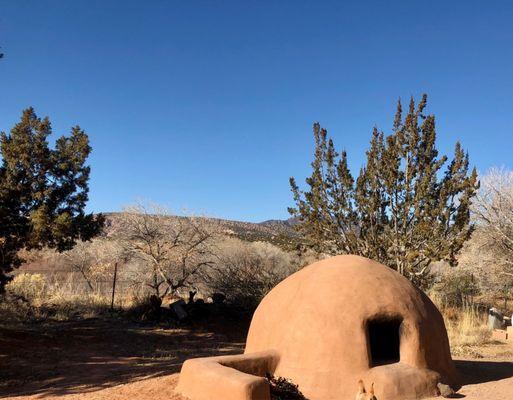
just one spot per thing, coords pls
(114, 285)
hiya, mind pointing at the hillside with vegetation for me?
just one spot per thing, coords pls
(278, 232)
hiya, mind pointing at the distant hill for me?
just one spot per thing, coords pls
(279, 223)
(278, 232)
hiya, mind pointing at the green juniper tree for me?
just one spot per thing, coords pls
(407, 208)
(43, 191)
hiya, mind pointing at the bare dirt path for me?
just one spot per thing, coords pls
(114, 360)
(486, 378)
(89, 357)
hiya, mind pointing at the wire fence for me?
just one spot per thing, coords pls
(74, 283)
(128, 284)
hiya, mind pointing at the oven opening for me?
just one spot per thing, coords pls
(384, 340)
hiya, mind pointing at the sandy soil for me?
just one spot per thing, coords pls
(96, 359)
(93, 360)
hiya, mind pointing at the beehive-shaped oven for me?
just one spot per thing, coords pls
(331, 324)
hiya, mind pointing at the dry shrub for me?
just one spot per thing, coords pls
(246, 272)
(17, 311)
(468, 331)
(70, 307)
(31, 297)
(30, 287)
(466, 326)
(457, 287)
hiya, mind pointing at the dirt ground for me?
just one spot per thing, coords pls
(99, 359)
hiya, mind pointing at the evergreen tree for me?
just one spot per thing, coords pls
(43, 191)
(403, 209)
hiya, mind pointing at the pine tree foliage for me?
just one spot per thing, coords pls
(43, 191)
(407, 208)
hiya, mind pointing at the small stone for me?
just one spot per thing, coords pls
(445, 390)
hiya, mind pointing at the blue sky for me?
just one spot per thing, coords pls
(208, 105)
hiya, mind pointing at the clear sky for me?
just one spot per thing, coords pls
(208, 105)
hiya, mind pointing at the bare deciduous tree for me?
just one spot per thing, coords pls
(246, 272)
(489, 254)
(173, 250)
(82, 259)
(93, 260)
(494, 209)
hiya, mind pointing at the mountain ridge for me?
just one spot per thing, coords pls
(275, 231)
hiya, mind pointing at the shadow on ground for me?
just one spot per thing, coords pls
(481, 371)
(85, 356)
(72, 357)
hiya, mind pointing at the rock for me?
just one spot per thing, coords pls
(169, 299)
(178, 308)
(495, 319)
(445, 390)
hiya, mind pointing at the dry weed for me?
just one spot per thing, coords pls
(466, 327)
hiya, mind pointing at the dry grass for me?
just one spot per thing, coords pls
(467, 331)
(466, 327)
(33, 297)
(61, 308)
(37, 299)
